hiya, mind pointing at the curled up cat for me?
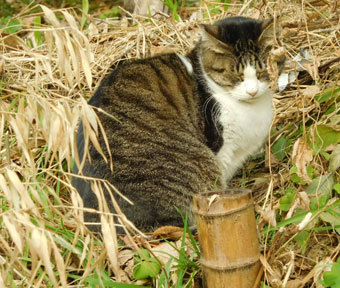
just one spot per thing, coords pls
(185, 124)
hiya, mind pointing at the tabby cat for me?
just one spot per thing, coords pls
(186, 123)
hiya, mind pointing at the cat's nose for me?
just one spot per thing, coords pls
(252, 86)
(252, 93)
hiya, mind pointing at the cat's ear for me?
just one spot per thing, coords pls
(209, 32)
(270, 31)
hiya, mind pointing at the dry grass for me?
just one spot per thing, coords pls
(43, 242)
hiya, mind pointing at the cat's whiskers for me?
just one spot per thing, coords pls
(205, 105)
(216, 113)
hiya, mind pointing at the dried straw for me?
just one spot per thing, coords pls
(43, 97)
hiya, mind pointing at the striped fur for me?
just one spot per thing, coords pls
(166, 143)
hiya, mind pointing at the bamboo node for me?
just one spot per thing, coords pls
(222, 214)
(241, 263)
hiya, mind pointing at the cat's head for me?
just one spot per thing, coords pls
(234, 56)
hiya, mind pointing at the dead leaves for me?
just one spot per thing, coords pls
(268, 215)
(302, 156)
(310, 91)
(14, 232)
(274, 57)
(146, 7)
(72, 48)
(169, 232)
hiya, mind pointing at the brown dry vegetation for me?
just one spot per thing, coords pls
(43, 92)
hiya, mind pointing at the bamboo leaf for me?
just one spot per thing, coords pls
(334, 160)
(147, 269)
(326, 135)
(332, 217)
(321, 185)
(50, 16)
(85, 4)
(327, 94)
(286, 201)
(15, 235)
(332, 278)
(279, 148)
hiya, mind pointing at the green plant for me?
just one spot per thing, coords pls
(115, 11)
(85, 10)
(217, 8)
(280, 146)
(10, 25)
(104, 280)
(37, 33)
(332, 278)
(173, 6)
(146, 265)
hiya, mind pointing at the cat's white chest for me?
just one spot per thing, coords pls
(245, 125)
(245, 128)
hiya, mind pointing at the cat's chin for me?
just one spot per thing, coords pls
(258, 98)
(251, 99)
(248, 100)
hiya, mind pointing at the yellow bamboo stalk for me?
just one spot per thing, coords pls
(228, 239)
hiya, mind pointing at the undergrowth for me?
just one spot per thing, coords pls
(52, 60)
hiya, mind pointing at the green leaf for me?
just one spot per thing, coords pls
(298, 217)
(321, 185)
(327, 94)
(37, 34)
(96, 280)
(310, 171)
(293, 170)
(85, 4)
(302, 239)
(12, 26)
(331, 109)
(161, 281)
(325, 155)
(326, 135)
(332, 217)
(295, 178)
(110, 283)
(147, 269)
(336, 187)
(286, 201)
(334, 160)
(332, 278)
(279, 148)
(141, 255)
(114, 12)
(173, 7)
(317, 203)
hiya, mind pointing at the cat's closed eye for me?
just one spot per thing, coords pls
(219, 69)
(262, 75)
(240, 77)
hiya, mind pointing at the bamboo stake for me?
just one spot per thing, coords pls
(227, 235)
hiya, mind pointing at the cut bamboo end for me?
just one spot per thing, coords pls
(227, 234)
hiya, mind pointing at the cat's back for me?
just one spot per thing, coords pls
(154, 100)
(157, 142)
(161, 83)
